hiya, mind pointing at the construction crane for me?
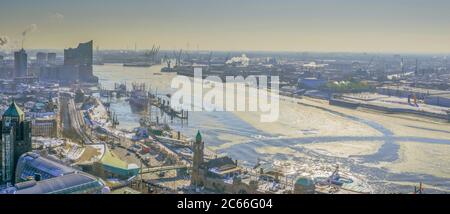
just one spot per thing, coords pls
(188, 57)
(209, 60)
(174, 55)
(227, 58)
(177, 57)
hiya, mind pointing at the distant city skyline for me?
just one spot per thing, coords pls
(413, 26)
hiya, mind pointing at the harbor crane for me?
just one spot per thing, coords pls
(178, 58)
(153, 53)
(209, 60)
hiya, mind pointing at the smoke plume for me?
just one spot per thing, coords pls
(243, 60)
(3, 40)
(31, 28)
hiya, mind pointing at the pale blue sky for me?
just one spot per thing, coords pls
(292, 25)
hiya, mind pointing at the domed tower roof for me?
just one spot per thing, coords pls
(305, 181)
(198, 137)
(14, 111)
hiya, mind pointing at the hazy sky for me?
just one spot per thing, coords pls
(291, 25)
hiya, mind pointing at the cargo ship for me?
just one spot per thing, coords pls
(168, 68)
(137, 64)
(139, 98)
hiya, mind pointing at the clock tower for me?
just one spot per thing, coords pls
(197, 163)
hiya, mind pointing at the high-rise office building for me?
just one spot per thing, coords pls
(15, 141)
(51, 58)
(20, 63)
(41, 58)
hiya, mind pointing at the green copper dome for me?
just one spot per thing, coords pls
(14, 111)
(198, 138)
(305, 181)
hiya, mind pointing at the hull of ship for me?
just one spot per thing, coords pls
(138, 105)
(137, 65)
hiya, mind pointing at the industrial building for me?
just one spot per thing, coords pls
(311, 83)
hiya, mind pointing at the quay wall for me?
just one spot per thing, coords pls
(354, 105)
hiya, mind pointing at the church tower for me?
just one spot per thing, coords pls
(197, 162)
